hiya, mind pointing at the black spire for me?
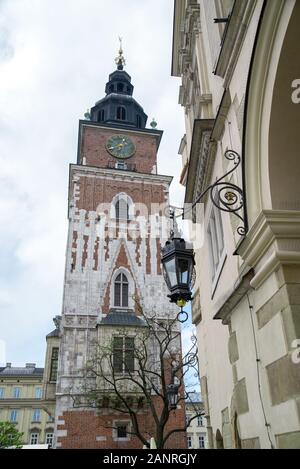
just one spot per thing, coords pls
(119, 107)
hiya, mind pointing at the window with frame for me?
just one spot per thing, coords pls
(49, 439)
(13, 415)
(122, 431)
(2, 393)
(16, 394)
(200, 421)
(38, 393)
(34, 438)
(121, 291)
(123, 354)
(201, 441)
(122, 210)
(36, 415)
(189, 441)
(54, 364)
(216, 243)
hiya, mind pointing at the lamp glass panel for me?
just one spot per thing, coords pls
(183, 271)
(170, 267)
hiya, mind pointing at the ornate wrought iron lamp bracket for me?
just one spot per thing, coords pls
(226, 196)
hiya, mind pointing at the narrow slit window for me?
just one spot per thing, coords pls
(122, 210)
(54, 365)
(121, 113)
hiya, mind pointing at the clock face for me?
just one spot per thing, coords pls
(120, 146)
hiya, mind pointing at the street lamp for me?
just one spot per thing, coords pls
(178, 265)
(172, 394)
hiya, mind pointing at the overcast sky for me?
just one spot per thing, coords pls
(55, 57)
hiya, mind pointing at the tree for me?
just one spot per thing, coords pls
(10, 436)
(131, 371)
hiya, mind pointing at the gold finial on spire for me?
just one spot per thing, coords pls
(120, 61)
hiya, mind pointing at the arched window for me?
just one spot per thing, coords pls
(120, 87)
(111, 88)
(122, 209)
(138, 121)
(121, 291)
(101, 115)
(121, 113)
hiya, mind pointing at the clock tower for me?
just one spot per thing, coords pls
(117, 202)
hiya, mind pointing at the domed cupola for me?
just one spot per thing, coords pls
(119, 107)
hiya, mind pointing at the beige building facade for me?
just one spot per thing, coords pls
(196, 432)
(21, 403)
(239, 65)
(27, 396)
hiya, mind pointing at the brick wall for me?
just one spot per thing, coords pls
(86, 429)
(93, 148)
(91, 191)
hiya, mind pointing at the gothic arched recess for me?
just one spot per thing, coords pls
(271, 152)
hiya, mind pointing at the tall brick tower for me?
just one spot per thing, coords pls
(116, 198)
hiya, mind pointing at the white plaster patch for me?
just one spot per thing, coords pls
(271, 341)
(285, 418)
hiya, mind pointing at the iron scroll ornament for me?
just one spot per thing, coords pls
(226, 196)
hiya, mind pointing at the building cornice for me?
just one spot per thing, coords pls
(121, 175)
(232, 298)
(32, 403)
(221, 116)
(275, 232)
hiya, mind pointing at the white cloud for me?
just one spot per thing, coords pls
(55, 59)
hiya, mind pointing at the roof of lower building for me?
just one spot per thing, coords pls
(122, 318)
(54, 333)
(28, 370)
